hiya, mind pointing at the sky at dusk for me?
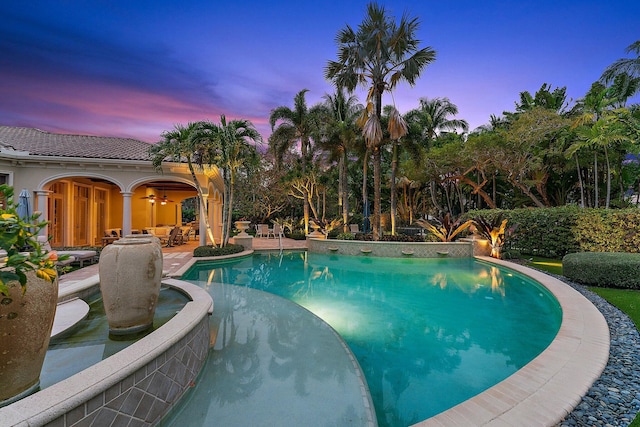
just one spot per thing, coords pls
(137, 68)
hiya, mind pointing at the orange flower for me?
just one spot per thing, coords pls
(53, 256)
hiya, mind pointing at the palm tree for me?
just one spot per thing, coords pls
(592, 106)
(379, 55)
(397, 129)
(340, 136)
(293, 127)
(613, 127)
(177, 145)
(232, 152)
(433, 117)
(628, 66)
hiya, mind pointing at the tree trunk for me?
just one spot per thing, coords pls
(477, 188)
(580, 181)
(606, 157)
(341, 210)
(434, 199)
(595, 179)
(527, 192)
(394, 165)
(365, 164)
(377, 200)
(230, 207)
(305, 203)
(202, 203)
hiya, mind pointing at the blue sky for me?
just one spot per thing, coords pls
(135, 69)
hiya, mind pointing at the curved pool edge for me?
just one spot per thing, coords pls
(180, 272)
(141, 382)
(549, 387)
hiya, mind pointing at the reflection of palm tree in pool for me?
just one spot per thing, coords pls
(234, 356)
(316, 277)
(295, 351)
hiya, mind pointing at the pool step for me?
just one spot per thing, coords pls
(68, 315)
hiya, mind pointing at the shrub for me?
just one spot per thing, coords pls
(555, 232)
(345, 236)
(333, 234)
(210, 250)
(296, 235)
(446, 228)
(604, 269)
(401, 238)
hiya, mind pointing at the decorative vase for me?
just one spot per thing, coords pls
(130, 272)
(243, 226)
(316, 233)
(26, 321)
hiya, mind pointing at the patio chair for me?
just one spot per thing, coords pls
(264, 231)
(277, 231)
(354, 228)
(78, 255)
(175, 237)
(187, 232)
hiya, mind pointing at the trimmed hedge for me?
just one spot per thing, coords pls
(209, 250)
(603, 269)
(296, 235)
(555, 232)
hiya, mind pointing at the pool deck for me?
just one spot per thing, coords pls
(541, 393)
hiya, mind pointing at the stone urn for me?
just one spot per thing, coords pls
(26, 321)
(316, 233)
(243, 226)
(130, 272)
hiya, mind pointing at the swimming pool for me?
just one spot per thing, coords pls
(428, 333)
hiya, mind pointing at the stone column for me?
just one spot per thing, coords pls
(126, 212)
(43, 206)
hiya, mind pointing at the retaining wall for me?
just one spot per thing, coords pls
(136, 386)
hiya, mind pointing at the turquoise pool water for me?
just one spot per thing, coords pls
(428, 333)
(90, 343)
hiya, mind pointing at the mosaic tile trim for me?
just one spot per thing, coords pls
(393, 249)
(144, 397)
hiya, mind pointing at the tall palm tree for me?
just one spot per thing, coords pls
(340, 136)
(294, 126)
(232, 151)
(177, 145)
(628, 66)
(378, 56)
(397, 129)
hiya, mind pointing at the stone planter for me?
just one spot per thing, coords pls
(25, 325)
(130, 272)
(243, 226)
(316, 233)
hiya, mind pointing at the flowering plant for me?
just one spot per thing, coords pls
(20, 250)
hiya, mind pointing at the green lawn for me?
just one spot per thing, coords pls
(625, 299)
(553, 266)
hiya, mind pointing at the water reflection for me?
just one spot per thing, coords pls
(427, 333)
(90, 343)
(270, 351)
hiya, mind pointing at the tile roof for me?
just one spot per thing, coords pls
(42, 143)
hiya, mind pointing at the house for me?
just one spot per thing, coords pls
(84, 185)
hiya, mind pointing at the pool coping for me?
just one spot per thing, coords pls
(171, 356)
(543, 392)
(549, 387)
